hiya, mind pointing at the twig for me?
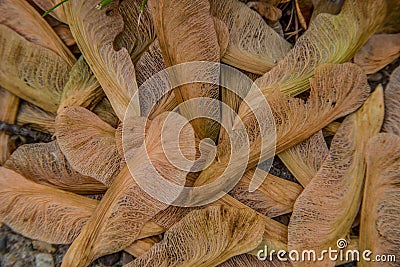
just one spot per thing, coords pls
(291, 17)
(24, 131)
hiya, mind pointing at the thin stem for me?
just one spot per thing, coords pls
(142, 7)
(54, 7)
(104, 3)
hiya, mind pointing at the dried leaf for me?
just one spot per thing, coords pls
(380, 221)
(45, 164)
(99, 32)
(275, 197)
(36, 118)
(330, 38)
(9, 104)
(184, 37)
(82, 88)
(21, 17)
(32, 72)
(206, 238)
(392, 104)
(379, 51)
(326, 209)
(83, 135)
(253, 45)
(41, 212)
(125, 208)
(304, 159)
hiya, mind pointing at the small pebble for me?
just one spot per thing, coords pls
(3, 243)
(43, 246)
(110, 260)
(44, 260)
(127, 258)
(376, 77)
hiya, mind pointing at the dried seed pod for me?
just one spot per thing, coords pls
(296, 121)
(392, 104)
(274, 197)
(326, 209)
(82, 88)
(253, 45)
(189, 35)
(222, 35)
(58, 13)
(9, 104)
(51, 215)
(213, 235)
(304, 159)
(65, 34)
(36, 118)
(380, 220)
(105, 112)
(331, 97)
(392, 19)
(271, 13)
(137, 34)
(41, 212)
(83, 135)
(32, 72)
(142, 246)
(126, 208)
(44, 163)
(330, 38)
(21, 17)
(150, 63)
(134, 136)
(99, 32)
(331, 129)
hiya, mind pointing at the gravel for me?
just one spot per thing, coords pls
(44, 260)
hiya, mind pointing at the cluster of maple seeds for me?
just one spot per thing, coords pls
(83, 102)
